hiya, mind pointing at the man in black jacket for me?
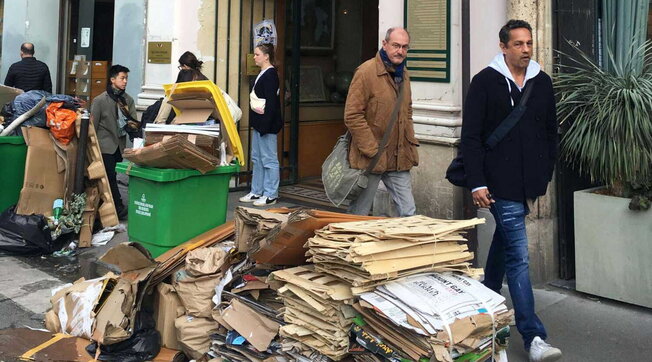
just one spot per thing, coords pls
(516, 171)
(29, 74)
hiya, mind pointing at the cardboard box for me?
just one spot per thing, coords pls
(167, 308)
(193, 110)
(175, 152)
(43, 182)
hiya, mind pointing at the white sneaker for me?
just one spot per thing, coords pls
(540, 351)
(250, 197)
(265, 201)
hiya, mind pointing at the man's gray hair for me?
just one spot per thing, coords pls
(391, 30)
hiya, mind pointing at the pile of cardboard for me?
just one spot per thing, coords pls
(205, 137)
(440, 316)
(317, 309)
(173, 152)
(369, 253)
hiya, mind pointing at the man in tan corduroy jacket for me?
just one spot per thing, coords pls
(372, 96)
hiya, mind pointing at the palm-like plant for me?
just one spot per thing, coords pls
(610, 122)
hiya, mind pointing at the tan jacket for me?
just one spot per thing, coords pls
(369, 105)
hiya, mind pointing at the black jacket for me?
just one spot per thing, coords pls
(267, 87)
(521, 165)
(29, 74)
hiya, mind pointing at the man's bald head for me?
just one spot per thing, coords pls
(27, 49)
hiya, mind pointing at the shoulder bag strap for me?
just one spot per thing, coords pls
(388, 130)
(511, 120)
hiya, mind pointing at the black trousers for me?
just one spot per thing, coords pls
(109, 164)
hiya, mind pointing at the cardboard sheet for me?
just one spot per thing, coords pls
(174, 152)
(44, 181)
(254, 327)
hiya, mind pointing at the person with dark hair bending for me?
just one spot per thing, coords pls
(189, 68)
(113, 114)
(265, 118)
(29, 74)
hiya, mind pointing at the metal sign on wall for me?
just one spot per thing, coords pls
(159, 52)
(429, 24)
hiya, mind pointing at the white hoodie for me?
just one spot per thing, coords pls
(498, 63)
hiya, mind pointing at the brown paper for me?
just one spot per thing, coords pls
(194, 334)
(196, 293)
(167, 308)
(205, 261)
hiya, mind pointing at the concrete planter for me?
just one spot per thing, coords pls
(613, 248)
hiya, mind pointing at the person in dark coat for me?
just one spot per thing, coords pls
(516, 171)
(29, 74)
(265, 118)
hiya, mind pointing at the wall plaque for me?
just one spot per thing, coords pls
(159, 52)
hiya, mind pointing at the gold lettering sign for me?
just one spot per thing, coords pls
(159, 52)
(429, 24)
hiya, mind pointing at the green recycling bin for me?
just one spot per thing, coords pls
(168, 207)
(13, 152)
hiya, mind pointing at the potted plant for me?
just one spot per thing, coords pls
(609, 138)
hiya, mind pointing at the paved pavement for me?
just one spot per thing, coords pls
(586, 328)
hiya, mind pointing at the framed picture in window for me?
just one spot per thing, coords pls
(311, 85)
(317, 24)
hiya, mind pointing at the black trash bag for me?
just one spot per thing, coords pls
(25, 234)
(143, 345)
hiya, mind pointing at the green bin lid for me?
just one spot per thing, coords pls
(12, 140)
(169, 174)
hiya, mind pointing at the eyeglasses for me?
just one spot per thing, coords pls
(397, 46)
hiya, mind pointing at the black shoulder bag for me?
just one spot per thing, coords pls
(455, 173)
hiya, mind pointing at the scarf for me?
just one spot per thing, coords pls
(395, 70)
(117, 95)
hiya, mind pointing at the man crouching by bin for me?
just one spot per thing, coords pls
(113, 113)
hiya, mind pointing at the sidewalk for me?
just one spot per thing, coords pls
(585, 328)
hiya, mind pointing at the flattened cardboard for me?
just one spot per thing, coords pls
(167, 308)
(174, 152)
(192, 110)
(8, 94)
(116, 318)
(43, 183)
(45, 346)
(287, 246)
(255, 328)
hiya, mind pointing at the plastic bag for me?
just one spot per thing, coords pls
(25, 234)
(61, 122)
(143, 345)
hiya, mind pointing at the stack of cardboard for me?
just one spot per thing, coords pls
(368, 253)
(173, 152)
(432, 315)
(317, 309)
(205, 137)
(254, 225)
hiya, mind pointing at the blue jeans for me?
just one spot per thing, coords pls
(266, 176)
(508, 255)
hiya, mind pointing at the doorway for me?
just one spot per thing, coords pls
(87, 47)
(325, 41)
